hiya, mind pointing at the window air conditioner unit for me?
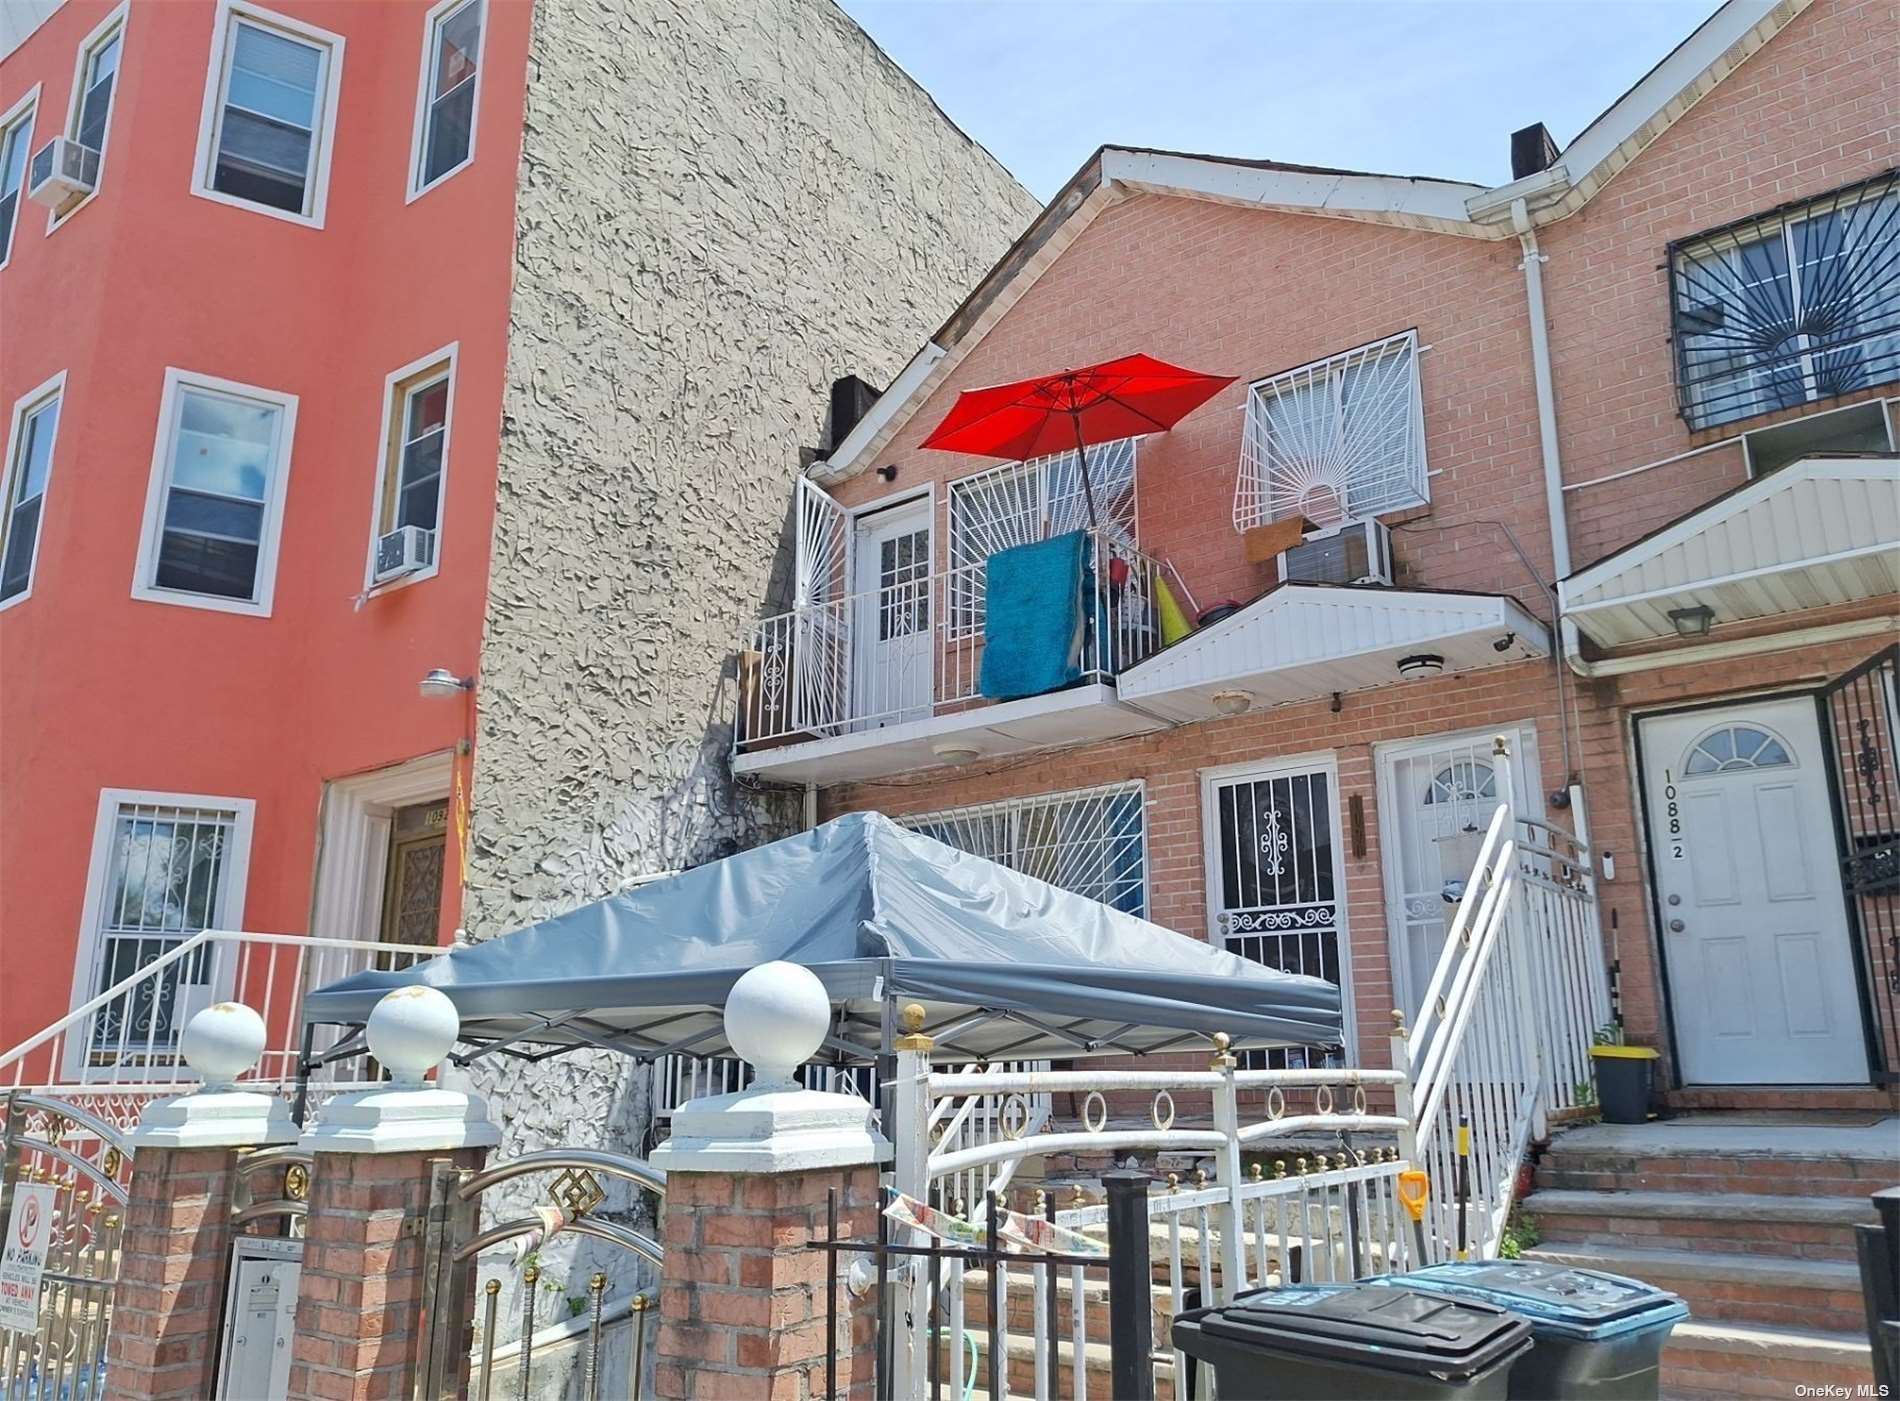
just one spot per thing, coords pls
(1358, 552)
(406, 550)
(62, 171)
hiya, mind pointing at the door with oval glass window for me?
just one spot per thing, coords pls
(1754, 935)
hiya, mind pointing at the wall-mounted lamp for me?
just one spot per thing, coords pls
(888, 471)
(1692, 622)
(1232, 702)
(442, 683)
(1421, 664)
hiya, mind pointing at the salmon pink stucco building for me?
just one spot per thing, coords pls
(267, 307)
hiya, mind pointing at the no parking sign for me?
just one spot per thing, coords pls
(23, 1257)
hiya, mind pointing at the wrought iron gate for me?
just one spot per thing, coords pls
(464, 1355)
(1861, 715)
(84, 1160)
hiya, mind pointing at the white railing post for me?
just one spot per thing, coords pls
(910, 1174)
(1233, 1276)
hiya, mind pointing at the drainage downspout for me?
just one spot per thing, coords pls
(1533, 266)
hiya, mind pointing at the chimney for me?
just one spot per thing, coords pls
(851, 399)
(1532, 150)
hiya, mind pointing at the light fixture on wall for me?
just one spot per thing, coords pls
(956, 752)
(442, 682)
(888, 472)
(1692, 622)
(1421, 664)
(1232, 702)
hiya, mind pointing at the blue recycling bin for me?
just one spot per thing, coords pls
(1594, 1335)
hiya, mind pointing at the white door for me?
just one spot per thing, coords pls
(1276, 887)
(1436, 798)
(891, 617)
(1755, 937)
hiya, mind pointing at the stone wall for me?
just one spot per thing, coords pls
(723, 205)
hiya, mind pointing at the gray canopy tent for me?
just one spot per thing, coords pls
(1005, 965)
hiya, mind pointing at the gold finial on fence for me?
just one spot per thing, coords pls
(911, 1019)
(1042, 1201)
(530, 1275)
(1359, 1156)
(597, 1283)
(640, 1303)
(958, 1208)
(1174, 1181)
(1223, 1058)
(1398, 1023)
(492, 1288)
(1256, 1173)
(1341, 1161)
(1200, 1177)
(1078, 1197)
(1279, 1167)
(1299, 1166)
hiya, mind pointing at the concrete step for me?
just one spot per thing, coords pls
(1714, 1361)
(1752, 1159)
(1730, 1286)
(1808, 1228)
(1019, 1354)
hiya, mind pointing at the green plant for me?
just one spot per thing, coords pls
(576, 1305)
(1609, 1034)
(1585, 1092)
(1520, 1234)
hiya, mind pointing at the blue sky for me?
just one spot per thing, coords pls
(1406, 87)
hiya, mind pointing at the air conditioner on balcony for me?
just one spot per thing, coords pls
(62, 171)
(1358, 552)
(408, 549)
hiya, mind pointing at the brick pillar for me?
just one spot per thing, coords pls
(743, 1313)
(175, 1244)
(359, 1299)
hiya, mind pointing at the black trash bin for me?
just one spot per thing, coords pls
(1354, 1342)
(1598, 1336)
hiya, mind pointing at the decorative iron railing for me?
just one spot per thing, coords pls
(880, 657)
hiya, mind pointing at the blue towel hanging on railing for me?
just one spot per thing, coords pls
(1033, 617)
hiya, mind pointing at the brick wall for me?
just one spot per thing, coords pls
(1251, 293)
(164, 1340)
(1816, 109)
(743, 1307)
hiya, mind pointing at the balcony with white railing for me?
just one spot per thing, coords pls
(887, 679)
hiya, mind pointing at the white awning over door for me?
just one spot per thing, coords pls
(1824, 530)
(1298, 641)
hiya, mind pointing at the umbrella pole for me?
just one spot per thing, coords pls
(1082, 466)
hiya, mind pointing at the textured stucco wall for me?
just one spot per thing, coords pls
(724, 204)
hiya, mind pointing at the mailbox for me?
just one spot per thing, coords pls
(260, 1312)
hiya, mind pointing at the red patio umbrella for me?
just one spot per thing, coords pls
(1073, 408)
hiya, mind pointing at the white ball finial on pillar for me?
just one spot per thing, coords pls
(222, 1042)
(411, 1030)
(776, 1018)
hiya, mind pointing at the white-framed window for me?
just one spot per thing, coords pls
(1340, 439)
(165, 866)
(1021, 502)
(16, 149)
(214, 509)
(1090, 841)
(265, 135)
(418, 409)
(448, 93)
(89, 110)
(1789, 307)
(29, 465)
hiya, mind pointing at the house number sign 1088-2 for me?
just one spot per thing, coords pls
(1672, 816)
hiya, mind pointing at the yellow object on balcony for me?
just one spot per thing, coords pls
(1174, 623)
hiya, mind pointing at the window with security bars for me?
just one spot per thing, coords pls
(1091, 842)
(1338, 440)
(1790, 307)
(1028, 501)
(167, 875)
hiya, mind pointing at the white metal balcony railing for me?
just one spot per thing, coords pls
(121, 1047)
(911, 650)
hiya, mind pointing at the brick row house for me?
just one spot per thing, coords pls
(1582, 489)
